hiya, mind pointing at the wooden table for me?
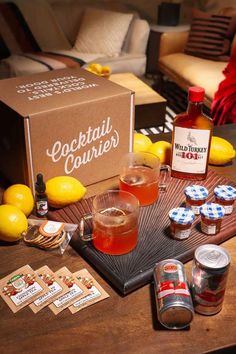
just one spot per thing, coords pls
(118, 324)
(150, 107)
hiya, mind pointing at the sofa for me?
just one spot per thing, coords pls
(189, 67)
(74, 32)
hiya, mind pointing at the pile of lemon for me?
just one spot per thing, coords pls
(161, 149)
(18, 203)
(98, 69)
(18, 200)
(221, 150)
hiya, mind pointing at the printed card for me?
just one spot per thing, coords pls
(96, 292)
(55, 287)
(21, 287)
(75, 291)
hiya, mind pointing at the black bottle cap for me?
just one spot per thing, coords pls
(40, 186)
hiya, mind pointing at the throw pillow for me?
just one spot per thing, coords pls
(210, 36)
(102, 31)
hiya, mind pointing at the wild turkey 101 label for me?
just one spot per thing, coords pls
(190, 150)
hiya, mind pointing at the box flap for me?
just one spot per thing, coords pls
(55, 89)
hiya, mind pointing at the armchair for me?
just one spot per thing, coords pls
(190, 70)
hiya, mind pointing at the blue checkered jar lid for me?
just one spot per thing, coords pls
(196, 192)
(183, 216)
(225, 192)
(212, 211)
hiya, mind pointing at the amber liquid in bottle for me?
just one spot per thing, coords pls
(191, 139)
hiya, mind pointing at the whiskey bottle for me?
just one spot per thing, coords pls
(191, 137)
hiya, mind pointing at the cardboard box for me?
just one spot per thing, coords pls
(64, 122)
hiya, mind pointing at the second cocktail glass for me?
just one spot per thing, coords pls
(114, 222)
(143, 175)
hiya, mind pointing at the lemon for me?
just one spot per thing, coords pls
(12, 223)
(141, 142)
(96, 68)
(162, 149)
(221, 151)
(64, 190)
(20, 196)
(106, 69)
(89, 69)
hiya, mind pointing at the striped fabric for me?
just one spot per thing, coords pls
(210, 36)
(54, 61)
(17, 37)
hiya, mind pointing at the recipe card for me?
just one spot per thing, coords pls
(75, 291)
(21, 287)
(55, 287)
(96, 292)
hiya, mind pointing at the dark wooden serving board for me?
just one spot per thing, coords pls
(129, 272)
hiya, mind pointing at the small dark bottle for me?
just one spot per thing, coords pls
(41, 199)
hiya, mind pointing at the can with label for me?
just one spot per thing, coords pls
(174, 303)
(209, 276)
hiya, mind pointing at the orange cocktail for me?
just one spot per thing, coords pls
(142, 182)
(116, 232)
(140, 176)
(114, 222)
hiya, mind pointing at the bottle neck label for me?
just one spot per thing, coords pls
(190, 150)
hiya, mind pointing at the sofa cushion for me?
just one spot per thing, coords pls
(125, 62)
(27, 64)
(192, 71)
(138, 37)
(21, 30)
(18, 65)
(102, 31)
(210, 35)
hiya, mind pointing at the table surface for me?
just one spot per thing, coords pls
(118, 324)
(144, 94)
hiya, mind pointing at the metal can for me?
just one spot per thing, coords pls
(174, 303)
(209, 276)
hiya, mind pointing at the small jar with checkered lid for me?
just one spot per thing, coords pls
(196, 196)
(181, 223)
(225, 196)
(211, 218)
